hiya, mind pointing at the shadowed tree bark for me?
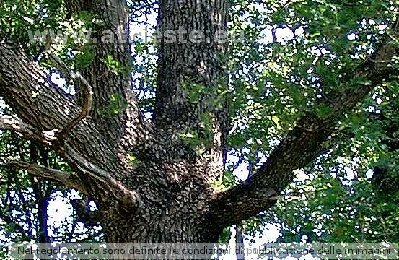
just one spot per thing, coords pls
(166, 196)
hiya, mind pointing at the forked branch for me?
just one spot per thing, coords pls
(303, 143)
(87, 96)
(72, 179)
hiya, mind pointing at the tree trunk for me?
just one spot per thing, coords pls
(170, 225)
(176, 204)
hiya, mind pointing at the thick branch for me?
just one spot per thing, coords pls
(87, 96)
(115, 109)
(106, 182)
(301, 145)
(14, 124)
(110, 186)
(26, 89)
(69, 179)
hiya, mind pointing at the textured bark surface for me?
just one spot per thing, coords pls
(166, 195)
(190, 57)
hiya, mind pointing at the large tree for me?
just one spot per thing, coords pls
(151, 182)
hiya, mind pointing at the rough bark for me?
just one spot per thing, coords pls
(110, 42)
(190, 53)
(166, 194)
